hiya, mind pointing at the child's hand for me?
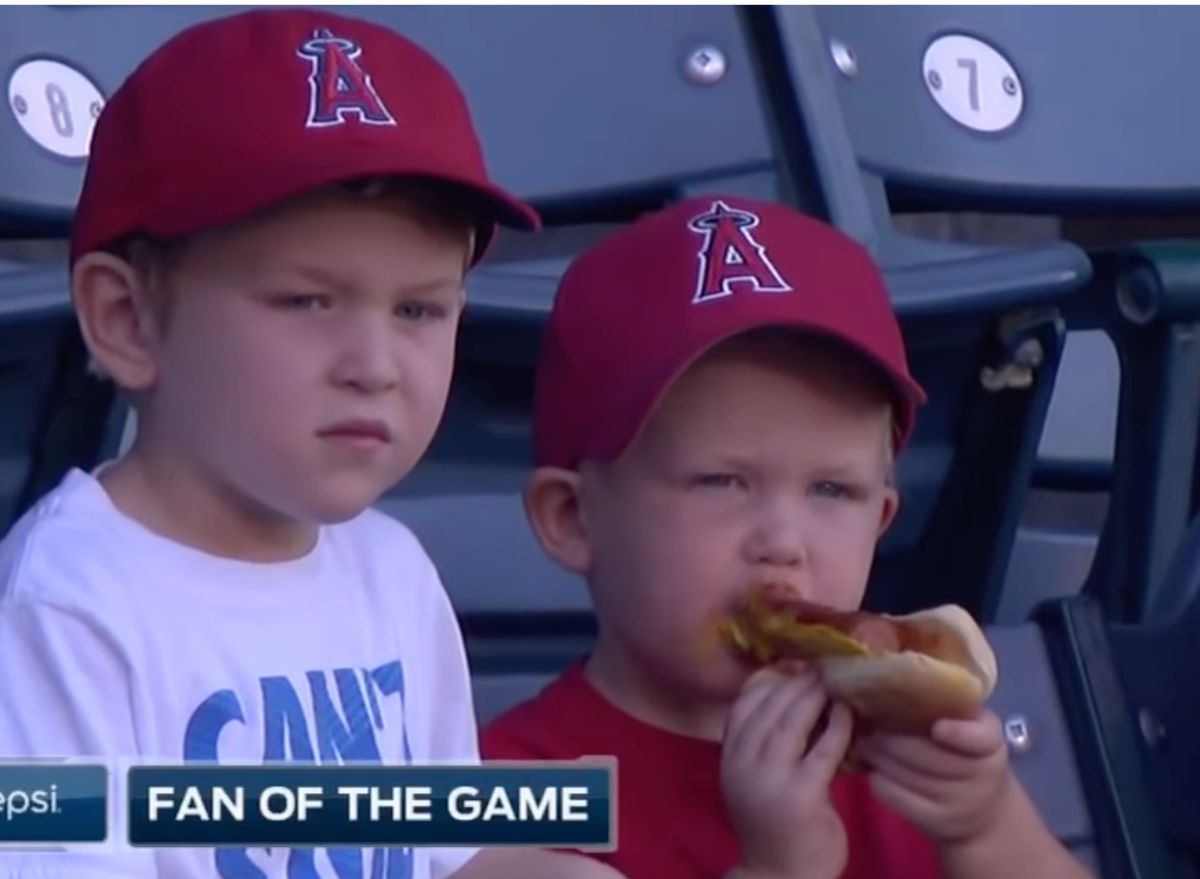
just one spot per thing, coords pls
(777, 795)
(952, 785)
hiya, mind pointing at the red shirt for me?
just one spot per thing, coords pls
(671, 817)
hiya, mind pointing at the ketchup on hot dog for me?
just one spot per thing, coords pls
(876, 632)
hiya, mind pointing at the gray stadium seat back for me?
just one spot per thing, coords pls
(1027, 700)
(30, 340)
(1073, 105)
(43, 387)
(534, 81)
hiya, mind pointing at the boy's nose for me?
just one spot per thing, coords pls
(367, 362)
(779, 554)
(778, 539)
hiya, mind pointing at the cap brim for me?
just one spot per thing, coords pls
(498, 208)
(284, 182)
(906, 388)
(509, 210)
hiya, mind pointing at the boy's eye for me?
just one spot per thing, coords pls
(832, 490)
(302, 301)
(718, 480)
(419, 311)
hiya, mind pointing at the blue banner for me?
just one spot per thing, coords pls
(528, 804)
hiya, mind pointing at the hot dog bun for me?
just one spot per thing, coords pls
(899, 673)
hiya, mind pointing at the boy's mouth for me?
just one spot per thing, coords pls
(361, 429)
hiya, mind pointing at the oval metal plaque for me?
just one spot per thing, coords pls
(973, 83)
(56, 105)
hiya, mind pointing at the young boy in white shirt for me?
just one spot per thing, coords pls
(268, 259)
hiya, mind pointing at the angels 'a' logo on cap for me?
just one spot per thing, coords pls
(338, 86)
(730, 254)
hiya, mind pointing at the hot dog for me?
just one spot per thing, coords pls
(899, 673)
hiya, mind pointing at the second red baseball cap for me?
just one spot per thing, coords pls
(234, 114)
(637, 309)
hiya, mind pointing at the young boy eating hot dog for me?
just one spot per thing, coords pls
(722, 390)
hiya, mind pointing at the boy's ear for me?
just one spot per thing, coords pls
(552, 506)
(891, 506)
(118, 329)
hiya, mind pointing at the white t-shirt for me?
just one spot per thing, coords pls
(119, 643)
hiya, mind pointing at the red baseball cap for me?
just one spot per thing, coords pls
(237, 113)
(637, 309)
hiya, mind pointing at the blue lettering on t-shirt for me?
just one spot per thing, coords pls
(346, 718)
